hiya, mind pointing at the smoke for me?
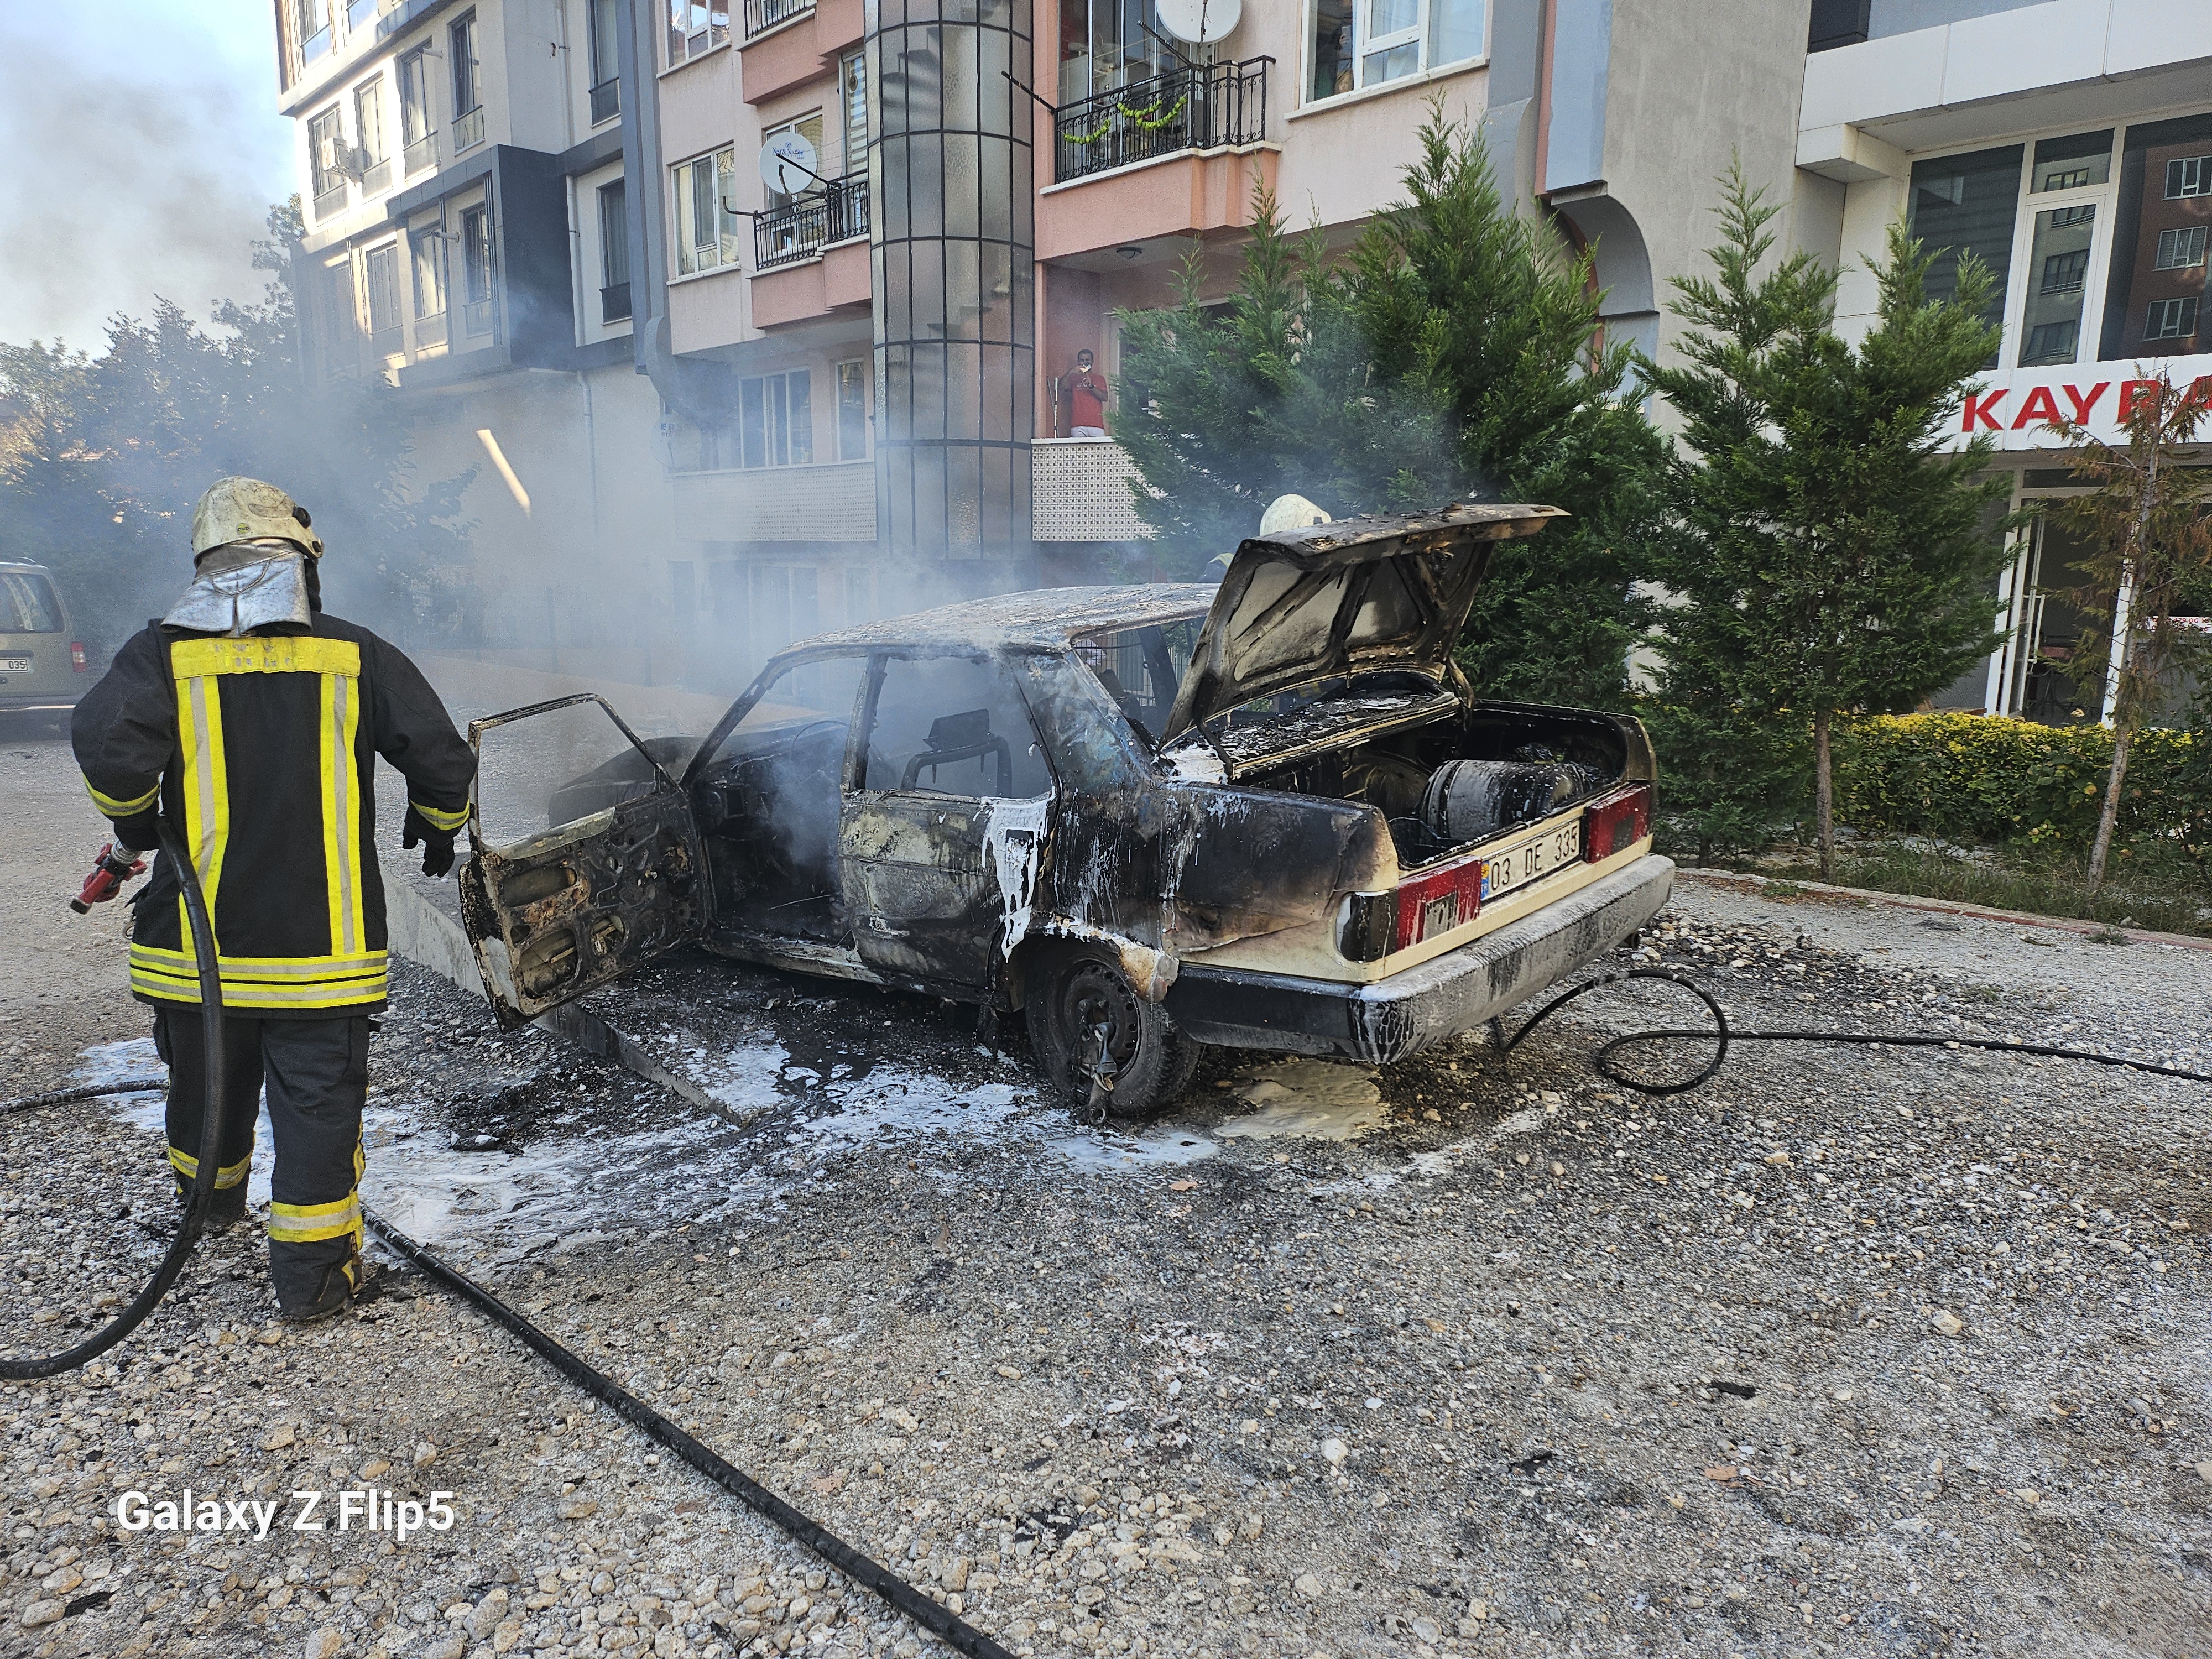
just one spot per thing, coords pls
(144, 149)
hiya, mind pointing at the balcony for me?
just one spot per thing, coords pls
(1079, 492)
(468, 130)
(606, 102)
(1201, 108)
(614, 303)
(832, 502)
(803, 227)
(477, 317)
(429, 331)
(332, 202)
(421, 156)
(376, 178)
(762, 15)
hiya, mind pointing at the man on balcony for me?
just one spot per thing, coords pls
(1084, 389)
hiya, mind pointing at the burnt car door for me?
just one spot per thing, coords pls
(941, 838)
(578, 871)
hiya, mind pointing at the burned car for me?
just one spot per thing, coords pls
(1271, 815)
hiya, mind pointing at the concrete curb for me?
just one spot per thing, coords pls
(1821, 890)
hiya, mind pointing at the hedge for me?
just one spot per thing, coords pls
(1975, 778)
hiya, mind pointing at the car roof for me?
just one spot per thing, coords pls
(1041, 619)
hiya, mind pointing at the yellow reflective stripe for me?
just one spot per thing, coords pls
(111, 807)
(267, 653)
(228, 1174)
(274, 968)
(349, 995)
(342, 811)
(207, 784)
(305, 1224)
(439, 819)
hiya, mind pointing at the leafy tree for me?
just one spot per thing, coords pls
(2147, 519)
(1455, 354)
(1830, 552)
(102, 458)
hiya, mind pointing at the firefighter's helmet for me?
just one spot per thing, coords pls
(1290, 512)
(247, 509)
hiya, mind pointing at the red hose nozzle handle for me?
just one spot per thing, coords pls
(109, 871)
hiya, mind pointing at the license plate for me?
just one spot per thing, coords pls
(1532, 859)
(15, 665)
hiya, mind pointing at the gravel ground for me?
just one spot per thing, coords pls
(1847, 1351)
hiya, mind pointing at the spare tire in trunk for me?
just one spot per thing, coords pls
(1471, 800)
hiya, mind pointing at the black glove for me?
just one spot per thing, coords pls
(437, 844)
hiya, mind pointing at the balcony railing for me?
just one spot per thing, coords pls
(331, 201)
(468, 130)
(477, 317)
(801, 228)
(422, 153)
(1203, 106)
(614, 303)
(376, 177)
(606, 102)
(762, 15)
(431, 331)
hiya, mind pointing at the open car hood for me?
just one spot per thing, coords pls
(1385, 591)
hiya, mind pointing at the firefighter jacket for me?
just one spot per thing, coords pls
(262, 750)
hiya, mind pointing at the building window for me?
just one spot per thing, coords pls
(2172, 320)
(326, 162)
(1371, 43)
(427, 245)
(853, 410)
(1107, 44)
(775, 420)
(2058, 263)
(1963, 204)
(419, 134)
(706, 230)
(606, 59)
(372, 158)
(312, 20)
(2161, 221)
(853, 110)
(614, 253)
(785, 605)
(475, 270)
(337, 327)
(468, 94)
(2177, 250)
(2073, 162)
(695, 28)
(381, 267)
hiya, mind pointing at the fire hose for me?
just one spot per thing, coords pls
(939, 1621)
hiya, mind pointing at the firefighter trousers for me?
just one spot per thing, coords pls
(315, 1073)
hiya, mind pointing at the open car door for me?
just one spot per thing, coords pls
(555, 905)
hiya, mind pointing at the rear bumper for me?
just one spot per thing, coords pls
(1408, 1012)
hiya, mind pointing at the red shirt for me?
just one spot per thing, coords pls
(1086, 398)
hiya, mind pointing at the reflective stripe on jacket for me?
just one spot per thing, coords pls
(261, 750)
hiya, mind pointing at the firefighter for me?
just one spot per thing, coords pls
(252, 719)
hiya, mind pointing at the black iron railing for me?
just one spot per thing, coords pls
(802, 228)
(606, 100)
(762, 15)
(614, 302)
(1201, 106)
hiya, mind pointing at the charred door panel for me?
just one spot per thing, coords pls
(555, 914)
(918, 887)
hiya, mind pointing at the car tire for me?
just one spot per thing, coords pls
(1153, 1057)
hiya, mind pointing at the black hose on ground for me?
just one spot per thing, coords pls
(940, 1622)
(211, 1126)
(1722, 1036)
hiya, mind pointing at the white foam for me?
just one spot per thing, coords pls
(1310, 1099)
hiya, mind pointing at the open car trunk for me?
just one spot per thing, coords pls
(1325, 668)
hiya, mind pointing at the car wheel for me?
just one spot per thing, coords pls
(1091, 1027)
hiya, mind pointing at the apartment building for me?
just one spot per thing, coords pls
(464, 185)
(2068, 144)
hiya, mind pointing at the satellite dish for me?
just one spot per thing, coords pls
(788, 164)
(1199, 22)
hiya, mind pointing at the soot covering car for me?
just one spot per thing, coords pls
(1270, 815)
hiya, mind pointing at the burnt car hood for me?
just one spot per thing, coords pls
(1385, 591)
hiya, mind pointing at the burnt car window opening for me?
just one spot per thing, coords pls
(769, 796)
(1140, 669)
(953, 726)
